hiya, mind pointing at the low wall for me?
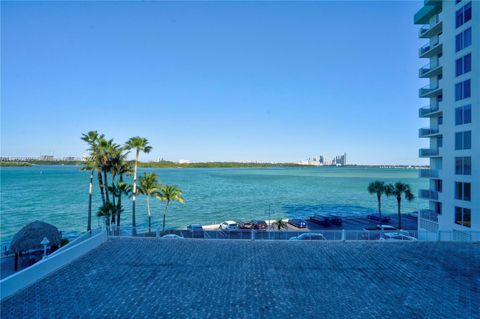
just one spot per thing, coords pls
(30, 275)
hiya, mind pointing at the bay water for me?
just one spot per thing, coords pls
(59, 195)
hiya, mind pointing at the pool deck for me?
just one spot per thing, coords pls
(187, 278)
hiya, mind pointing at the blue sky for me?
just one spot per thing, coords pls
(267, 81)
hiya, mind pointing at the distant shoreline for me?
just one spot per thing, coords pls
(169, 164)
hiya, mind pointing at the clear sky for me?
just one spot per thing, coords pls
(266, 81)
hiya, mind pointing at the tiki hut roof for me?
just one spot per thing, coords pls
(30, 236)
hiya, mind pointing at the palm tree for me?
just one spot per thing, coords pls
(148, 186)
(92, 138)
(105, 211)
(377, 188)
(123, 168)
(89, 165)
(280, 224)
(398, 190)
(169, 193)
(140, 144)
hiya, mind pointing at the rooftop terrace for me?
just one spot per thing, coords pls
(142, 277)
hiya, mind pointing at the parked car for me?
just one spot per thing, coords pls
(309, 236)
(388, 228)
(171, 236)
(413, 215)
(396, 236)
(321, 220)
(382, 219)
(229, 225)
(245, 225)
(259, 224)
(335, 220)
(297, 222)
(196, 230)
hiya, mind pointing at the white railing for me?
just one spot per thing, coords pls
(46, 266)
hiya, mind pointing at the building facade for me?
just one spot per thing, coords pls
(452, 52)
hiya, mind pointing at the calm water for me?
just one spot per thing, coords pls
(59, 195)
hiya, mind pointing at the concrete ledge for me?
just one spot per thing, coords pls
(30, 275)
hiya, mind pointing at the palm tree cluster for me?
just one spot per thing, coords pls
(109, 161)
(396, 190)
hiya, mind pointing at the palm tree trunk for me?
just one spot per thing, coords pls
(134, 195)
(113, 198)
(149, 215)
(164, 216)
(89, 222)
(106, 185)
(119, 204)
(399, 200)
(379, 197)
(100, 184)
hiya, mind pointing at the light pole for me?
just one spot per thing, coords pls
(44, 243)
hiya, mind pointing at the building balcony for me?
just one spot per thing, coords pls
(430, 70)
(429, 214)
(425, 13)
(428, 194)
(428, 132)
(428, 173)
(429, 152)
(429, 90)
(430, 111)
(430, 49)
(430, 30)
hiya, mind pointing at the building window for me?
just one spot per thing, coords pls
(463, 216)
(464, 14)
(463, 140)
(463, 191)
(463, 40)
(463, 115)
(462, 90)
(463, 165)
(438, 185)
(463, 65)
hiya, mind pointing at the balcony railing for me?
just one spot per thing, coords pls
(432, 46)
(429, 214)
(428, 68)
(428, 173)
(428, 152)
(431, 29)
(426, 132)
(428, 89)
(427, 110)
(428, 194)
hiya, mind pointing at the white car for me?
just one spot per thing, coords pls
(229, 225)
(309, 236)
(171, 236)
(396, 236)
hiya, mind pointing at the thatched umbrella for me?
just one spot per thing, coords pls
(30, 237)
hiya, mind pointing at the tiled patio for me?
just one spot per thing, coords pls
(152, 278)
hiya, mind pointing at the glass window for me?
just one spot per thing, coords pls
(467, 187)
(467, 12)
(459, 18)
(459, 67)
(467, 63)
(458, 190)
(458, 91)
(459, 115)
(467, 217)
(466, 89)
(458, 216)
(467, 165)
(467, 114)
(459, 42)
(467, 140)
(440, 120)
(467, 37)
(459, 165)
(459, 141)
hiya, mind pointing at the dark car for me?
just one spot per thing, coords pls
(297, 222)
(321, 220)
(245, 225)
(259, 224)
(382, 219)
(336, 220)
(195, 231)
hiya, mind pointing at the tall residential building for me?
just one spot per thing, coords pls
(452, 32)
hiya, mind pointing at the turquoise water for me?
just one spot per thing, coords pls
(59, 195)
